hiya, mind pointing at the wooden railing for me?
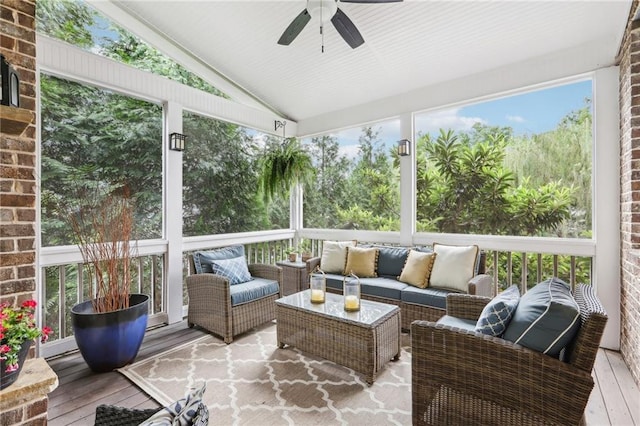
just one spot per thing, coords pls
(64, 280)
(510, 260)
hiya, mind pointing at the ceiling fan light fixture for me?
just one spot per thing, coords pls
(322, 10)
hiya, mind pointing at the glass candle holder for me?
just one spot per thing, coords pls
(318, 286)
(352, 293)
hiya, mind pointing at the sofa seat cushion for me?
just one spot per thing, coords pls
(429, 296)
(461, 323)
(334, 281)
(255, 289)
(382, 287)
(546, 319)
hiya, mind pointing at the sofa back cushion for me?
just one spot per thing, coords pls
(453, 267)
(391, 260)
(546, 319)
(203, 259)
(334, 256)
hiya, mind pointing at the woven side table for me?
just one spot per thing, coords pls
(294, 277)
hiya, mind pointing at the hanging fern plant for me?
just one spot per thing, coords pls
(284, 166)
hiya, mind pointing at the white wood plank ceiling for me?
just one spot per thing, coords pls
(408, 45)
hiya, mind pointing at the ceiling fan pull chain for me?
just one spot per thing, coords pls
(321, 28)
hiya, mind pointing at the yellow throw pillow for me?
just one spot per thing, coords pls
(334, 256)
(417, 268)
(361, 261)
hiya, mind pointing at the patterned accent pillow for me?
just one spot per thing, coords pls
(495, 317)
(235, 269)
(417, 269)
(362, 262)
(182, 412)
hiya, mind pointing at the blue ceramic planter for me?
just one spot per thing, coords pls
(110, 340)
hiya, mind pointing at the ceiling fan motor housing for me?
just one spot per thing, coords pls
(322, 10)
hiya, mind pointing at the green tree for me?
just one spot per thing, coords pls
(373, 187)
(66, 20)
(95, 138)
(463, 187)
(542, 158)
(327, 194)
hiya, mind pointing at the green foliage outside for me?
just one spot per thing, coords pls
(359, 193)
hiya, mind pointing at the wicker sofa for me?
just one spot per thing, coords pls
(415, 303)
(214, 303)
(460, 376)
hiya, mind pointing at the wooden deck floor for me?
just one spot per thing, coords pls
(615, 399)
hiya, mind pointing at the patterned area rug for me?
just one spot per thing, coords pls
(252, 382)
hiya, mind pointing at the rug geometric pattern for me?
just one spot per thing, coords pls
(252, 382)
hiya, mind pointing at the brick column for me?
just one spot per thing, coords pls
(25, 401)
(630, 194)
(18, 157)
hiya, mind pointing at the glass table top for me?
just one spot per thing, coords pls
(369, 312)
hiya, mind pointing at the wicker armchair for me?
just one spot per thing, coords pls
(210, 303)
(460, 377)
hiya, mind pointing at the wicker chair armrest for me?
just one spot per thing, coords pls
(269, 272)
(312, 264)
(210, 289)
(466, 306)
(481, 285)
(486, 368)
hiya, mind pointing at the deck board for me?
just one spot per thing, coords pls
(613, 400)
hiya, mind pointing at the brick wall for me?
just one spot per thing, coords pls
(18, 158)
(630, 195)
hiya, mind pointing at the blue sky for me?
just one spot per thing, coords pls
(527, 113)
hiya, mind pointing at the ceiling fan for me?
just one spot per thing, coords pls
(324, 11)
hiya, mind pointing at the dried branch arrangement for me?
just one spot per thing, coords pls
(103, 230)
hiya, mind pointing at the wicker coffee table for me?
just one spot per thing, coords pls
(363, 341)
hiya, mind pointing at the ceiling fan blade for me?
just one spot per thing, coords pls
(370, 1)
(347, 29)
(294, 28)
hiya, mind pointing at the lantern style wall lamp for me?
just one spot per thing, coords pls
(176, 141)
(404, 147)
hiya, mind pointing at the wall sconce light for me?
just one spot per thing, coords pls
(404, 147)
(176, 141)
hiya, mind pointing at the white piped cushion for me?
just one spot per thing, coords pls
(334, 256)
(453, 267)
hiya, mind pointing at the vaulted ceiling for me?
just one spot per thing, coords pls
(408, 45)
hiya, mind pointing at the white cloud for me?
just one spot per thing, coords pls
(260, 139)
(445, 119)
(349, 151)
(515, 118)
